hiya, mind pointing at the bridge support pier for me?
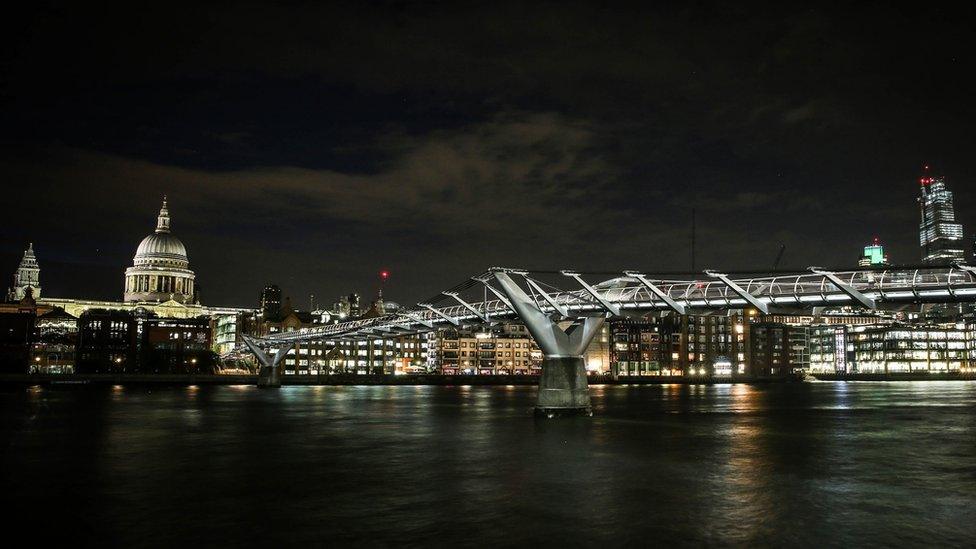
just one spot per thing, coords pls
(563, 387)
(268, 376)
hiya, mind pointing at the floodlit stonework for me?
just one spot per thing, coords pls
(160, 271)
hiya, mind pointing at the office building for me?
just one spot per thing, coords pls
(940, 236)
(874, 255)
(271, 302)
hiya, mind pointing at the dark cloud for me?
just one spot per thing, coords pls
(314, 144)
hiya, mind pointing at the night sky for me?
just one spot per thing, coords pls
(313, 146)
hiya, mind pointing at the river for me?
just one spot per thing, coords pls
(799, 464)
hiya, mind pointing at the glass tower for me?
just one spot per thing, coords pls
(939, 235)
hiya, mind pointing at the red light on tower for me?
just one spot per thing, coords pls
(926, 178)
(384, 274)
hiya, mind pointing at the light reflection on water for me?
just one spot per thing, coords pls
(801, 464)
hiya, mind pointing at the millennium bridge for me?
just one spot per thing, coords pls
(563, 310)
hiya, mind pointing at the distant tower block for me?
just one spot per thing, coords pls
(874, 255)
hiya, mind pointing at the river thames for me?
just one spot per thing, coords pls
(801, 464)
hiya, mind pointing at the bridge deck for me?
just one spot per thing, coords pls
(479, 299)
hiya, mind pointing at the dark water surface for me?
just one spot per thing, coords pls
(808, 464)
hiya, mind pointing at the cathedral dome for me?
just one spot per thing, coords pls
(160, 270)
(161, 245)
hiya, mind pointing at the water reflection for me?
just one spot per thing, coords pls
(798, 464)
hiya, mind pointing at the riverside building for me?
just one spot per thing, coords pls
(505, 349)
(667, 344)
(56, 338)
(893, 348)
(139, 342)
(389, 354)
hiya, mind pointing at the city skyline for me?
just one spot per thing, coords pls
(380, 278)
(489, 274)
(328, 158)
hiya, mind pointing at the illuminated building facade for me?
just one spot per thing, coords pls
(27, 278)
(874, 255)
(391, 355)
(160, 271)
(53, 351)
(227, 332)
(828, 350)
(891, 348)
(641, 347)
(597, 355)
(504, 349)
(776, 345)
(672, 345)
(770, 348)
(940, 237)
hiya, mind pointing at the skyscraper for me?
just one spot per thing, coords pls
(271, 302)
(939, 235)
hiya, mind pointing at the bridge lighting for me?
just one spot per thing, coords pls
(636, 292)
